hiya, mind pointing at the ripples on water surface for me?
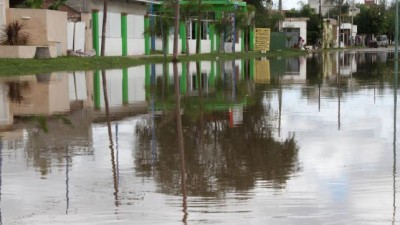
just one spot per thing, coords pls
(308, 140)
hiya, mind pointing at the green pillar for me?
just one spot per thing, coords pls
(182, 34)
(218, 69)
(183, 81)
(242, 39)
(125, 88)
(251, 38)
(97, 89)
(146, 36)
(95, 31)
(124, 34)
(218, 17)
(212, 37)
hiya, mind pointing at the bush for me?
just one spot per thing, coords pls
(13, 34)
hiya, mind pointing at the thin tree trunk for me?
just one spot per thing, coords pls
(198, 35)
(103, 31)
(187, 40)
(176, 33)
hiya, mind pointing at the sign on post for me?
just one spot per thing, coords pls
(262, 37)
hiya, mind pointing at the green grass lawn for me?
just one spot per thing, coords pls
(37, 66)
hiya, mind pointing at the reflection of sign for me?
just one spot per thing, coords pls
(262, 36)
(235, 116)
(262, 71)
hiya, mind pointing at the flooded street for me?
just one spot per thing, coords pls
(309, 140)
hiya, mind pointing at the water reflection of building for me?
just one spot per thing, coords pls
(6, 119)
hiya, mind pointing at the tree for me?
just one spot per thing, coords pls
(176, 31)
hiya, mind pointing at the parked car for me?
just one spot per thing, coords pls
(381, 41)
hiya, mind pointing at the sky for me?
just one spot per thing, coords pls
(289, 4)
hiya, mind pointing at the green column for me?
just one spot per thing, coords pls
(183, 81)
(124, 34)
(218, 69)
(95, 31)
(218, 17)
(125, 89)
(242, 39)
(182, 34)
(146, 36)
(251, 38)
(212, 37)
(97, 89)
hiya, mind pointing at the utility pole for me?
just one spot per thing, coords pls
(339, 21)
(281, 13)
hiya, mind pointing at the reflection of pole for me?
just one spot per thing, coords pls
(181, 144)
(280, 104)
(153, 142)
(1, 167)
(396, 68)
(111, 146)
(338, 91)
(66, 179)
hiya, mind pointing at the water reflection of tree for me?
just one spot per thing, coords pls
(226, 159)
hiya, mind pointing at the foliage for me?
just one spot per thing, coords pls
(56, 5)
(372, 20)
(13, 34)
(33, 4)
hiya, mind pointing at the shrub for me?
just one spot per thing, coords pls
(14, 33)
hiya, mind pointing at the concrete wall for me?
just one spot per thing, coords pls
(47, 27)
(297, 23)
(3, 12)
(24, 52)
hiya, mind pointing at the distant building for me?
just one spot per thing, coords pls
(370, 2)
(325, 5)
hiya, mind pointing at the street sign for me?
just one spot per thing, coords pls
(262, 39)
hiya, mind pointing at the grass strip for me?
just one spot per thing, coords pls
(11, 67)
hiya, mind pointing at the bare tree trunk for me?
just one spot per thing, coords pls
(187, 40)
(176, 33)
(103, 31)
(198, 36)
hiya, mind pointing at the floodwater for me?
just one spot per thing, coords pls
(308, 140)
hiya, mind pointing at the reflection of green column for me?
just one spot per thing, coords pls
(242, 69)
(242, 39)
(218, 70)
(125, 97)
(96, 89)
(183, 82)
(95, 31)
(251, 69)
(146, 36)
(147, 80)
(124, 34)
(251, 38)
(212, 74)
(218, 17)
(182, 34)
(212, 37)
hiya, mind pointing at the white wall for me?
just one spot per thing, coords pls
(2, 13)
(297, 24)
